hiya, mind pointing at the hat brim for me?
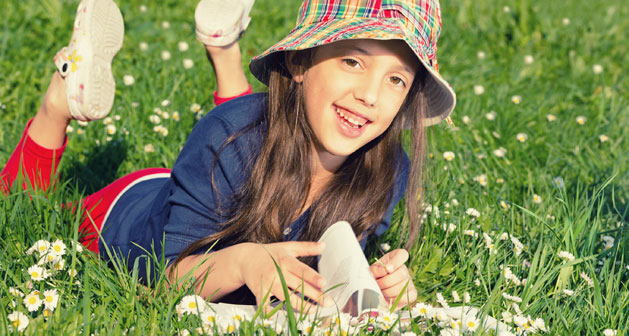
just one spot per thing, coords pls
(441, 99)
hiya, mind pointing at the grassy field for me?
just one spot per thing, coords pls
(526, 196)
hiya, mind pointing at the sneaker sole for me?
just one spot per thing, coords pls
(106, 34)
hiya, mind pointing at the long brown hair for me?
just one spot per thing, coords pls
(279, 181)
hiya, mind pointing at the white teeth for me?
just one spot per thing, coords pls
(351, 121)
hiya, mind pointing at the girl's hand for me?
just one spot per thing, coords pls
(258, 272)
(392, 275)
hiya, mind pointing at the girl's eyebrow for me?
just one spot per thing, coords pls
(402, 67)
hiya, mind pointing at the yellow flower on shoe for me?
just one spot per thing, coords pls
(74, 59)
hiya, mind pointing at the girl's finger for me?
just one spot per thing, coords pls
(390, 280)
(303, 287)
(306, 272)
(304, 249)
(378, 269)
(395, 258)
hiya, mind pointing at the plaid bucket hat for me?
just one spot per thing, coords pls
(416, 22)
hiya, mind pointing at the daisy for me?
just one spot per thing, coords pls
(82, 123)
(36, 272)
(495, 134)
(528, 59)
(165, 103)
(512, 297)
(58, 248)
(500, 152)
(128, 80)
(80, 131)
(470, 233)
(455, 296)
(72, 272)
(506, 9)
(385, 247)
(32, 302)
(516, 99)
(187, 63)
(568, 292)
(208, 317)
(472, 212)
(491, 115)
(192, 304)
(40, 246)
(165, 24)
(470, 324)
(176, 116)
(18, 320)
(144, 46)
(517, 245)
(421, 309)
(537, 199)
(581, 120)
(149, 148)
(183, 46)
(466, 120)
(504, 206)
(479, 90)
(565, 21)
(110, 129)
(51, 298)
(386, 319)
(507, 317)
(551, 117)
(481, 55)
(77, 247)
(565, 255)
(610, 332)
(504, 236)
(466, 297)
(155, 119)
(603, 138)
(597, 68)
(521, 137)
(69, 129)
(59, 265)
(143, 8)
(165, 55)
(448, 156)
(15, 292)
(194, 108)
(455, 202)
(481, 179)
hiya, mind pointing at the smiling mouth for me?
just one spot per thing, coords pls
(350, 120)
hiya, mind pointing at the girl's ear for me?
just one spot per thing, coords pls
(294, 66)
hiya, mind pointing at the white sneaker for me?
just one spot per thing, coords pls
(86, 62)
(221, 22)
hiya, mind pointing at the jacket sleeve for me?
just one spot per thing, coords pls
(198, 209)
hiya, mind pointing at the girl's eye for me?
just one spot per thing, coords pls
(352, 63)
(397, 81)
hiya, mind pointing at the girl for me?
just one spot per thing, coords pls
(262, 176)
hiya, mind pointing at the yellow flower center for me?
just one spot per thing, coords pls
(471, 324)
(17, 323)
(57, 248)
(423, 310)
(192, 305)
(32, 300)
(42, 248)
(231, 328)
(237, 318)
(47, 313)
(49, 298)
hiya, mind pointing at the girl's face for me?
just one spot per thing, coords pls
(353, 90)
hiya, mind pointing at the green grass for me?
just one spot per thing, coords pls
(590, 202)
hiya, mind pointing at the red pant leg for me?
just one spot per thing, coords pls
(39, 163)
(219, 100)
(96, 206)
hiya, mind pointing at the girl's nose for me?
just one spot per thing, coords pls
(368, 90)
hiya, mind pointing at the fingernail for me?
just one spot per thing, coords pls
(321, 282)
(390, 268)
